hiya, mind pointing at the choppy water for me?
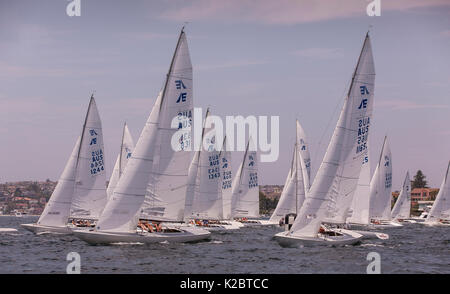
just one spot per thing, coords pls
(413, 248)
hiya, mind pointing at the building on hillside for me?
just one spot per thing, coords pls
(423, 194)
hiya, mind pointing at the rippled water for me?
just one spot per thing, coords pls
(413, 248)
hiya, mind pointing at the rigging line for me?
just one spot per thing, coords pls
(329, 122)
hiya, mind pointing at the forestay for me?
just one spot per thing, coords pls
(123, 206)
(57, 210)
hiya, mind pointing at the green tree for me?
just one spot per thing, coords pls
(17, 192)
(433, 194)
(266, 205)
(419, 180)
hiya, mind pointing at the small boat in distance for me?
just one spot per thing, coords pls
(439, 214)
(297, 181)
(401, 212)
(245, 190)
(379, 212)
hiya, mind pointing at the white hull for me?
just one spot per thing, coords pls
(436, 224)
(372, 235)
(407, 221)
(185, 234)
(346, 237)
(387, 225)
(257, 223)
(417, 219)
(37, 229)
(268, 223)
(230, 225)
(7, 230)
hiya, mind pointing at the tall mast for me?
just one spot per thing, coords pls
(121, 150)
(83, 129)
(171, 67)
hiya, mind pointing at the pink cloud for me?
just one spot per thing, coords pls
(397, 104)
(282, 11)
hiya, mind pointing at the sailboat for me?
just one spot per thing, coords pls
(402, 207)
(204, 203)
(89, 195)
(439, 214)
(372, 196)
(297, 182)
(343, 157)
(152, 188)
(380, 191)
(245, 189)
(126, 149)
(83, 177)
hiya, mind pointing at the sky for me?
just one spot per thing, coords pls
(286, 58)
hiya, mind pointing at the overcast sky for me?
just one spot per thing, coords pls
(288, 58)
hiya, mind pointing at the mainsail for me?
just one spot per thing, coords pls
(341, 165)
(128, 196)
(166, 192)
(245, 195)
(227, 179)
(348, 174)
(297, 182)
(126, 149)
(402, 207)
(57, 210)
(304, 153)
(89, 196)
(381, 186)
(361, 199)
(441, 206)
(207, 200)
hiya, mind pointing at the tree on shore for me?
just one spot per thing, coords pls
(419, 180)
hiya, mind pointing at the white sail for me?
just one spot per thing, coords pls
(207, 202)
(294, 192)
(402, 207)
(89, 196)
(126, 149)
(245, 195)
(298, 180)
(166, 192)
(57, 210)
(381, 186)
(361, 198)
(441, 206)
(227, 179)
(348, 175)
(190, 186)
(304, 153)
(345, 151)
(128, 196)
